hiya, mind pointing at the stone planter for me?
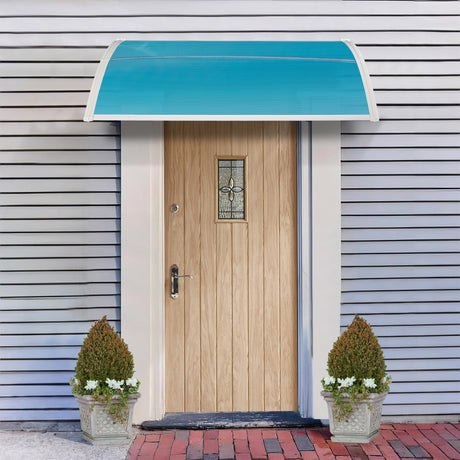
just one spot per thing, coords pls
(98, 426)
(363, 423)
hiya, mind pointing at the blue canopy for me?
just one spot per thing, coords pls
(203, 80)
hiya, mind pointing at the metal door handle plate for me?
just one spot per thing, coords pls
(175, 280)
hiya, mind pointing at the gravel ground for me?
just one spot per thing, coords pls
(55, 445)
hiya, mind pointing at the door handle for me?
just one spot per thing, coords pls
(175, 280)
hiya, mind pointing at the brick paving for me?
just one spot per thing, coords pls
(437, 441)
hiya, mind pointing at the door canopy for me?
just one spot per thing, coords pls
(193, 80)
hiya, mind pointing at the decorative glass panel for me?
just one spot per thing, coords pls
(231, 189)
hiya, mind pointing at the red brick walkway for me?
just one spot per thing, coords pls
(437, 441)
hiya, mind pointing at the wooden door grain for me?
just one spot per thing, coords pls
(231, 335)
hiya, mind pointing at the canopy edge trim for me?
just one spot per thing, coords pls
(97, 81)
(366, 79)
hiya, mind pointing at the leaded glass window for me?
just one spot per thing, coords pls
(231, 194)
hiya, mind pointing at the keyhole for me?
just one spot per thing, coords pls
(174, 208)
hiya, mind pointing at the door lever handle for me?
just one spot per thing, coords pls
(175, 280)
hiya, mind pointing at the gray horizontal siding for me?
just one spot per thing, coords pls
(60, 193)
(59, 227)
(401, 224)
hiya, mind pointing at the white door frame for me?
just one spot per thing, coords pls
(142, 259)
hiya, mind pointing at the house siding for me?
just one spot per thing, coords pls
(59, 225)
(59, 206)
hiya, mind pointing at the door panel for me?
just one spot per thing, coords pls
(174, 253)
(231, 335)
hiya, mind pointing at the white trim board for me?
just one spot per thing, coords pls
(142, 259)
(228, 117)
(325, 251)
(222, 7)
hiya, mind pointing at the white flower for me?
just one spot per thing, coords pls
(369, 383)
(91, 384)
(115, 384)
(132, 381)
(347, 382)
(329, 380)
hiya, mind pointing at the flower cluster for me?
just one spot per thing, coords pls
(132, 382)
(115, 384)
(346, 382)
(369, 383)
(119, 385)
(91, 385)
(110, 386)
(329, 382)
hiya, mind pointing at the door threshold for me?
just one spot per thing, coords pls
(222, 420)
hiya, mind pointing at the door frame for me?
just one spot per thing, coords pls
(143, 271)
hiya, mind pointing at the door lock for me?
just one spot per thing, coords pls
(175, 280)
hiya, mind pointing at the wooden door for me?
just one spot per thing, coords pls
(231, 335)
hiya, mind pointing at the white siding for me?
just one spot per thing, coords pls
(59, 200)
(401, 224)
(59, 226)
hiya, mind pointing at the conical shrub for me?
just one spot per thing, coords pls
(357, 353)
(104, 354)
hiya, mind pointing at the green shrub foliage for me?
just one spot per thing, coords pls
(357, 353)
(104, 354)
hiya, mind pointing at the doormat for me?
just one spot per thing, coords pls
(206, 420)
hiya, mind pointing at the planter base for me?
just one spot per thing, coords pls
(363, 423)
(106, 440)
(357, 439)
(97, 424)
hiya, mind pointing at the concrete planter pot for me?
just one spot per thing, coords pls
(363, 423)
(97, 424)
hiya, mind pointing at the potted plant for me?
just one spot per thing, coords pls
(104, 386)
(356, 384)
